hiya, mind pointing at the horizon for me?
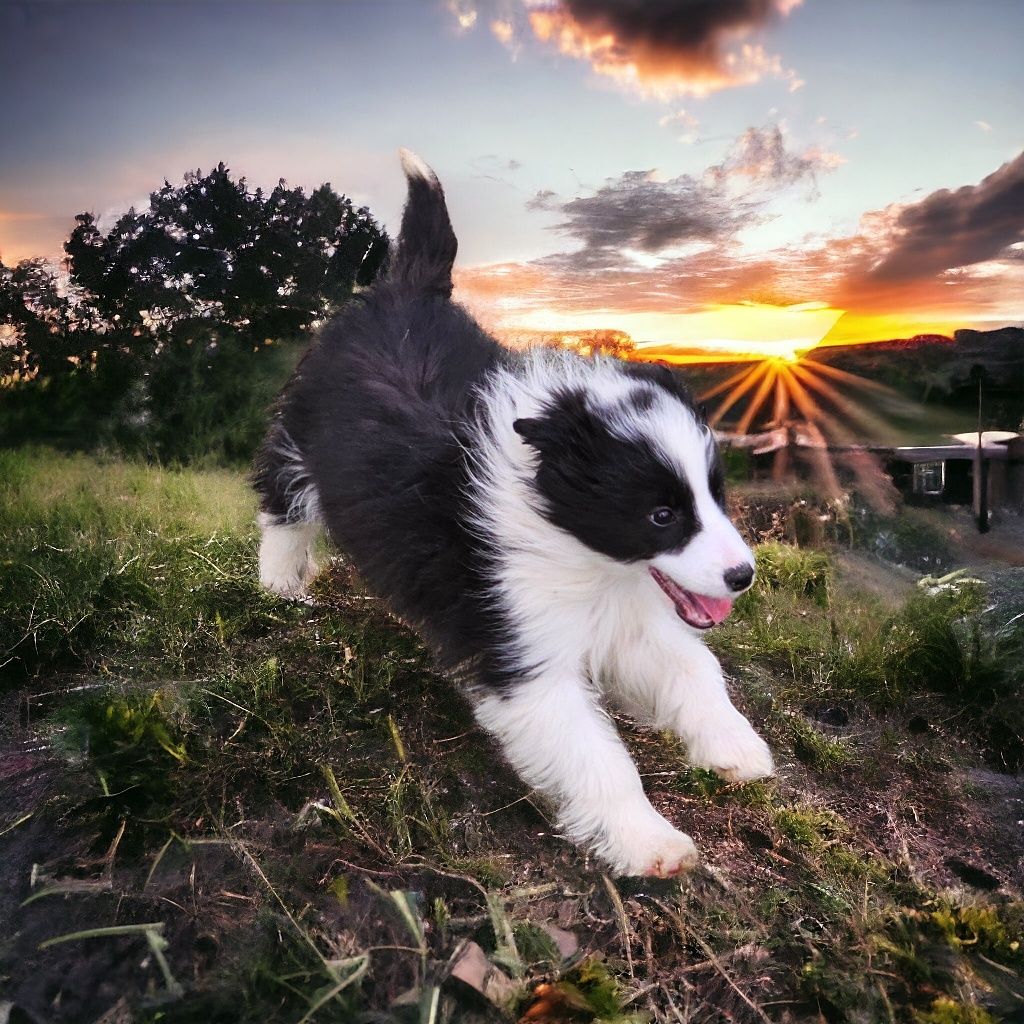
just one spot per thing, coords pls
(721, 177)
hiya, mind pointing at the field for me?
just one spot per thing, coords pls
(218, 806)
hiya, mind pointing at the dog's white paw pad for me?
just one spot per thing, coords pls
(672, 858)
(651, 849)
(736, 753)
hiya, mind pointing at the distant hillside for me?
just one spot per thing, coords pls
(934, 368)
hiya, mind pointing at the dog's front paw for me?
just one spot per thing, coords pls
(649, 847)
(731, 749)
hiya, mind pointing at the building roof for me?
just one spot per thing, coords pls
(948, 452)
(987, 437)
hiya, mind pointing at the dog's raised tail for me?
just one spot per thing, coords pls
(427, 243)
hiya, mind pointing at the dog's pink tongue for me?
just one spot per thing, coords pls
(717, 608)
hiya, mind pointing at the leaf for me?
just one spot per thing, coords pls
(566, 942)
(396, 738)
(472, 967)
(339, 886)
(337, 797)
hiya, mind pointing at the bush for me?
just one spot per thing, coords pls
(798, 571)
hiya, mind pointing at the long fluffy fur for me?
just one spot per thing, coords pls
(496, 501)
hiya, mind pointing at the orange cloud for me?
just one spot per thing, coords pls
(950, 259)
(663, 49)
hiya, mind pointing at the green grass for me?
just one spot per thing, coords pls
(302, 816)
(830, 641)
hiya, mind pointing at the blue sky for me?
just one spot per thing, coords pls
(860, 112)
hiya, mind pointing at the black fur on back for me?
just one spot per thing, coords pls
(379, 409)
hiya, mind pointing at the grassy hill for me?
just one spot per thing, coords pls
(219, 806)
(943, 373)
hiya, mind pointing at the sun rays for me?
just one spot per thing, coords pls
(783, 388)
(779, 395)
(802, 410)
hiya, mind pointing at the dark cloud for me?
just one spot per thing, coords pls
(950, 251)
(955, 228)
(916, 256)
(637, 211)
(692, 29)
(919, 257)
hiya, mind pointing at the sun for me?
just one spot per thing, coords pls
(746, 331)
(725, 332)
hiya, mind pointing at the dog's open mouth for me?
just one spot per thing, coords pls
(697, 610)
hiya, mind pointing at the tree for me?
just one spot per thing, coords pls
(35, 320)
(211, 251)
(181, 320)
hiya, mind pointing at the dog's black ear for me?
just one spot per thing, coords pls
(565, 426)
(532, 431)
(546, 434)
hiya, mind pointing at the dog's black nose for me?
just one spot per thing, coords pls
(739, 577)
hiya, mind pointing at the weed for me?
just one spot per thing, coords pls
(810, 828)
(979, 925)
(821, 640)
(948, 1011)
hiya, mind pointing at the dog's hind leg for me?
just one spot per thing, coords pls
(289, 516)
(558, 739)
(286, 555)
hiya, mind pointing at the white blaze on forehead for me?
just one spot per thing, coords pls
(672, 429)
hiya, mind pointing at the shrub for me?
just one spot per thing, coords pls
(799, 571)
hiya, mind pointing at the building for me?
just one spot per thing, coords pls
(989, 476)
(986, 477)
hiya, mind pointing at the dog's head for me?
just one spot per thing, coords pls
(633, 472)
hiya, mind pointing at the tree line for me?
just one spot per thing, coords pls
(169, 334)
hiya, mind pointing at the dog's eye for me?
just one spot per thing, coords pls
(663, 516)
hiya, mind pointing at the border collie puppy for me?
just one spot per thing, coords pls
(553, 526)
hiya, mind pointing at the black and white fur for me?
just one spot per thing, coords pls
(511, 506)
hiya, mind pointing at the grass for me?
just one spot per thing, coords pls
(831, 642)
(285, 802)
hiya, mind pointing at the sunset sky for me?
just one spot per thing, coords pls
(677, 170)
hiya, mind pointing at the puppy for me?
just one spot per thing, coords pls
(553, 526)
